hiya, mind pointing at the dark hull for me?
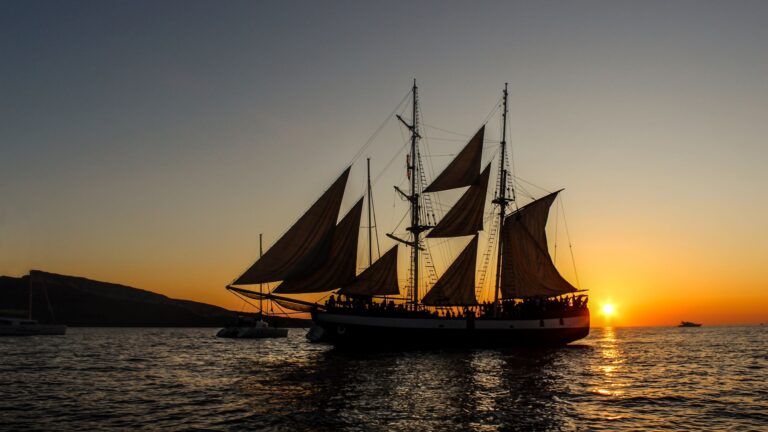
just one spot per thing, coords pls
(34, 330)
(355, 331)
(251, 332)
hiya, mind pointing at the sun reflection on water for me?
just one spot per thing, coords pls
(610, 368)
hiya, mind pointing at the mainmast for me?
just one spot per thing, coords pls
(415, 228)
(502, 199)
(413, 170)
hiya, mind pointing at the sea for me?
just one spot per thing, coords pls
(663, 378)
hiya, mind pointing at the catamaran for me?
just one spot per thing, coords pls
(15, 326)
(250, 327)
(532, 303)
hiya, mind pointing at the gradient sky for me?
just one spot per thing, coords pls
(148, 143)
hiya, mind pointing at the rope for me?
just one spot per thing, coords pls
(557, 223)
(373, 136)
(570, 246)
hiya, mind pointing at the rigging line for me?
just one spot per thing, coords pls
(281, 308)
(485, 149)
(520, 179)
(391, 161)
(436, 202)
(448, 139)
(491, 114)
(488, 140)
(512, 161)
(443, 155)
(570, 246)
(375, 225)
(446, 130)
(376, 230)
(426, 139)
(524, 193)
(243, 298)
(401, 220)
(372, 137)
(557, 223)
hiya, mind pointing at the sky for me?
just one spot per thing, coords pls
(149, 143)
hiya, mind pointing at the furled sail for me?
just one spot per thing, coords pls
(527, 268)
(466, 216)
(298, 307)
(378, 279)
(457, 285)
(465, 167)
(287, 303)
(339, 268)
(304, 247)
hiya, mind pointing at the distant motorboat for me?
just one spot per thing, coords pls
(28, 327)
(689, 324)
(248, 328)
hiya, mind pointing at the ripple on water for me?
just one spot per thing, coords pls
(634, 379)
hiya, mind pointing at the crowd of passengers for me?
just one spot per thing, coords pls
(533, 308)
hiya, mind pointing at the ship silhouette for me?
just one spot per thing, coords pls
(531, 302)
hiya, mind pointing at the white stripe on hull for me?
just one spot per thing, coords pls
(453, 323)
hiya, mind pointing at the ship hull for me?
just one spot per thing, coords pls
(355, 330)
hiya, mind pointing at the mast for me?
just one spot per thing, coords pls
(370, 226)
(502, 199)
(414, 228)
(261, 297)
(413, 166)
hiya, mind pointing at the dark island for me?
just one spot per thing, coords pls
(77, 301)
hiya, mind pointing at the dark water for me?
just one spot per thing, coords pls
(179, 379)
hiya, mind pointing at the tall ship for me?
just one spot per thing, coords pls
(529, 303)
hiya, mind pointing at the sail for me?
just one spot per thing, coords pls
(287, 303)
(465, 167)
(457, 285)
(298, 307)
(466, 216)
(339, 268)
(305, 245)
(527, 269)
(378, 279)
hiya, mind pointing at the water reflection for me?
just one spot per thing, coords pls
(180, 379)
(610, 365)
(430, 390)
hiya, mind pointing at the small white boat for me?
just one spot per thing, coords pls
(251, 329)
(28, 327)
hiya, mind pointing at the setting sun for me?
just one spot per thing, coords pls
(609, 310)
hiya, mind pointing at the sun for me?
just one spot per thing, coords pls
(609, 310)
